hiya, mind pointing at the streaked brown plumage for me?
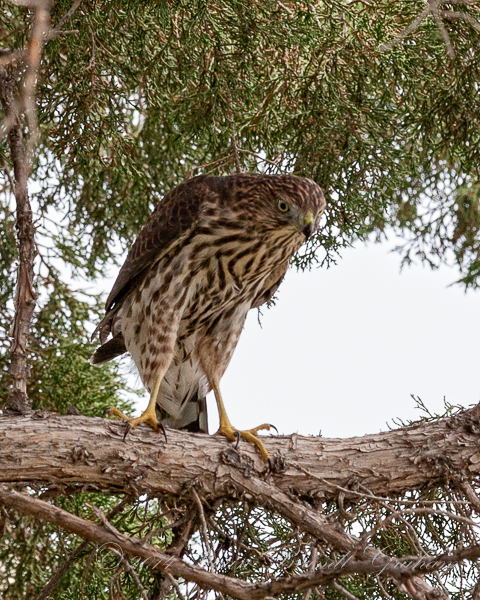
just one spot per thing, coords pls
(211, 250)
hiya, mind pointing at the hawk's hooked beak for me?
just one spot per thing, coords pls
(308, 224)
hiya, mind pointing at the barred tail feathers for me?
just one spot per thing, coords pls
(193, 416)
(111, 349)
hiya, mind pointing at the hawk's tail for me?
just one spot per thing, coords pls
(108, 350)
(193, 417)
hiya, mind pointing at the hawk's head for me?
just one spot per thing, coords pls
(277, 203)
(298, 211)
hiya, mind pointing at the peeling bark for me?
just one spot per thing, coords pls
(76, 452)
(67, 454)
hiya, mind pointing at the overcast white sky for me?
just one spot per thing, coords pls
(344, 348)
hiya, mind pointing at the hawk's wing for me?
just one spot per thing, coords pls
(174, 215)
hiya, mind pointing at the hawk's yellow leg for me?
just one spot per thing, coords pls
(231, 433)
(148, 416)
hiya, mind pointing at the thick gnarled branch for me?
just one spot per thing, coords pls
(89, 453)
(76, 453)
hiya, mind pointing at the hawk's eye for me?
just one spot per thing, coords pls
(283, 206)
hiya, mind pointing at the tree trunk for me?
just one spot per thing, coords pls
(25, 297)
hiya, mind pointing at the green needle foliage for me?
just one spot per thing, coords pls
(138, 95)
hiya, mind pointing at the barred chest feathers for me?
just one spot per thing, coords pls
(199, 289)
(211, 250)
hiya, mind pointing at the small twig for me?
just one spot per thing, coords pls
(382, 588)
(203, 521)
(441, 28)
(115, 57)
(341, 508)
(469, 492)
(68, 15)
(265, 160)
(134, 574)
(103, 518)
(223, 159)
(160, 530)
(174, 582)
(336, 586)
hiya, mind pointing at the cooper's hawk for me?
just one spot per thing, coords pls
(213, 248)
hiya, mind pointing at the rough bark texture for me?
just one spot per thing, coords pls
(80, 452)
(25, 296)
(74, 453)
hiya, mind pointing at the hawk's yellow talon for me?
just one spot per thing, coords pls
(149, 417)
(231, 433)
(249, 435)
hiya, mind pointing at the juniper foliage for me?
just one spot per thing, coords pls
(138, 95)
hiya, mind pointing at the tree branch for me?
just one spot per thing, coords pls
(22, 155)
(57, 576)
(79, 454)
(433, 8)
(25, 296)
(122, 545)
(57, 30)
(90, 453)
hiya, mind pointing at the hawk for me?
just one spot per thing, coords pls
(212, 249)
